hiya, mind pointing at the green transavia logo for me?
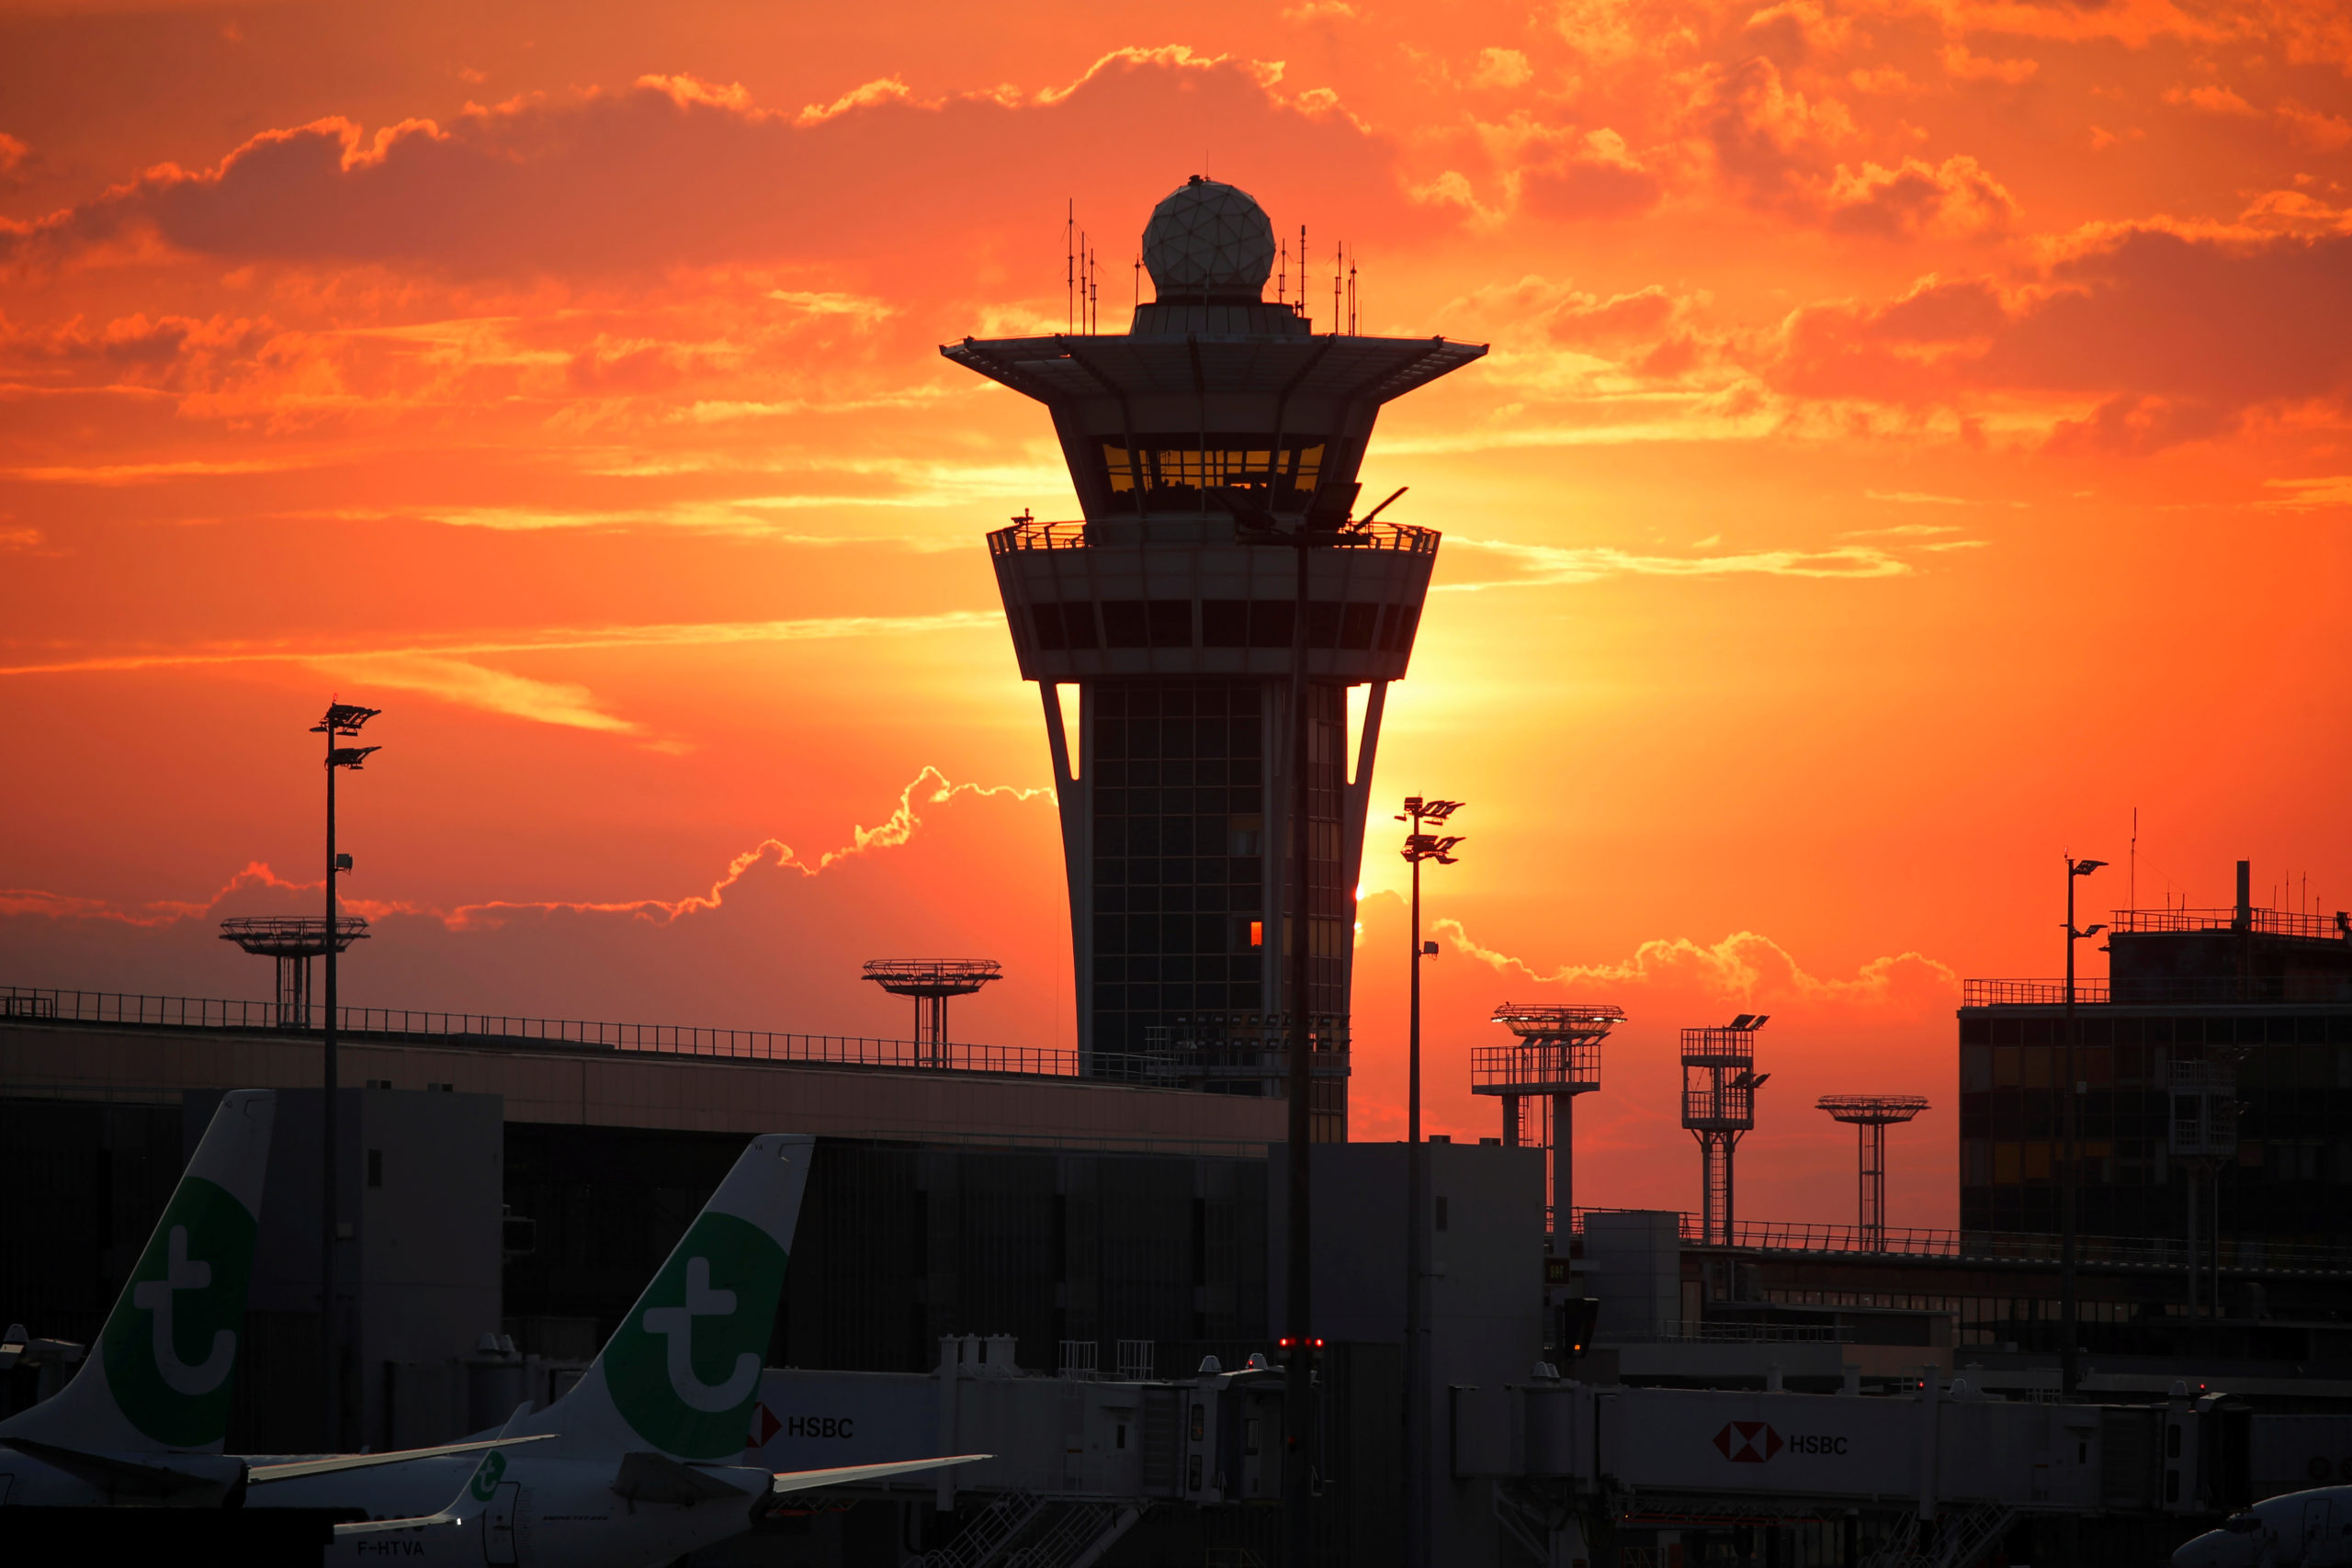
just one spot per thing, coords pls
(684, 1367)
(488, 1475)
(172, 1340)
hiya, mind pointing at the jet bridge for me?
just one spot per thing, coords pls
(1078, 1460)
(1943, 1471)
(1933, 1476)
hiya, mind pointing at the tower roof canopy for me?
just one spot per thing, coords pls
(1069, 368)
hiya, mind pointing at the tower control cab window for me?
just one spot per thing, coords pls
(1173, 469)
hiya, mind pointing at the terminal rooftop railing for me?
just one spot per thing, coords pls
(497, 1030)
(2161, 990)
(2030, 1247)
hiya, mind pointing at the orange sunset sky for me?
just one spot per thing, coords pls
(1916, 436)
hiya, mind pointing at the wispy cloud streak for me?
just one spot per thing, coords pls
(1554, 565)
(1743, 964)
(686, 634)
(929, 789)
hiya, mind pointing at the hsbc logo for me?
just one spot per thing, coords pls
(1748, 1442)
(1754, 1443)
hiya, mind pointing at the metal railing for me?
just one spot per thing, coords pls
(1734, 1331)
(2161, 990)
(1164, 1068)
(497, 1030)
(1081, 535)
(1567, 1069)
(2036, 1247)
(2262, 922)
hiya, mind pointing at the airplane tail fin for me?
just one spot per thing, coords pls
(160, 1374)
(682, 1372)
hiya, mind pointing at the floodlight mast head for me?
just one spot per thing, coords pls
(1868, 1110)
(931, 981)
(1432, 846)
(344, 718)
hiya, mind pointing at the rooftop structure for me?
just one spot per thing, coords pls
(931, 981)
(1218, 423)
(1556, 1057)
(1719, 1085)
(2256, 999)
(1871, 1114)
(293, 940)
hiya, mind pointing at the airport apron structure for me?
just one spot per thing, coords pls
(1935, 1477)
(1220, 423)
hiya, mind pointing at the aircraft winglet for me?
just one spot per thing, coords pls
(848, 1474)
(261, 1474)
(378, 1526)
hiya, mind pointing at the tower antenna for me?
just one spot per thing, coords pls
(1069, 267)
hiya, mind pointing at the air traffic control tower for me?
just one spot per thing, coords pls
(1218, 425)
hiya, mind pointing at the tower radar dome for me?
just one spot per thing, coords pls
(1208, 239)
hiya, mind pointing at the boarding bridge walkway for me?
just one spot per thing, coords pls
(1942, 1469)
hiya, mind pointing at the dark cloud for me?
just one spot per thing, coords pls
(674, 173)
(1591, 184)
(2179, 334)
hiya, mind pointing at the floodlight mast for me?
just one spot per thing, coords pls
(342, 719)
(293, 940)
(1719, 1085)
(1555, 1058)
(1871, 1114)
(2069, 1099)
(931, 981)
(1419, 846)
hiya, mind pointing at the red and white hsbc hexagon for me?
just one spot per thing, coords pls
(1748, 1442)
(1675, 1439)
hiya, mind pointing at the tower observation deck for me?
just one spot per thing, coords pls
(1216, 416)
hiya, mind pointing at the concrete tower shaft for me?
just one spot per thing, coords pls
(1217, 423)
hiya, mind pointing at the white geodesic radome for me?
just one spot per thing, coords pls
(1210, 239)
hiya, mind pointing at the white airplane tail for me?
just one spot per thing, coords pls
(681, 1373)
(160, 1376)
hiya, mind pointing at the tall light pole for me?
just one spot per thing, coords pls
(1317, 528)
(2070, 1095)
(342, 719)
(1418, 846)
